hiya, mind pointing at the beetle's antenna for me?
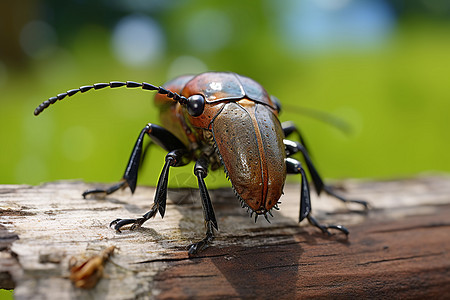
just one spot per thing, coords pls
(323, 116)
(112, 84)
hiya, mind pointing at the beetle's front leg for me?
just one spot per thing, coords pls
(173, 159)
(158, 135)
(201, 171)
(295, 167)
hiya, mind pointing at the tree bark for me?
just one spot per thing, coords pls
(400, 249)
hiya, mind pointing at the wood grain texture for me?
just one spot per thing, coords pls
(400, 249)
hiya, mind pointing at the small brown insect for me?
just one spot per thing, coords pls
(87, 273)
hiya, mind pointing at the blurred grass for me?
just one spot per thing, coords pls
(396, 98)
(6, 294)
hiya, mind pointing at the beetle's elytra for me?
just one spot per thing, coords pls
(219, 119)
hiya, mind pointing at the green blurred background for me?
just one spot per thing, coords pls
(382, 66)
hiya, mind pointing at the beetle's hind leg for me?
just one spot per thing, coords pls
(294, 147)
(295, 167)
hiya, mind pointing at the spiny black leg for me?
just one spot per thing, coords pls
(294, 167)
(173, 159)
(329, 190)
(290, 128)
(160, 136)
(294, 147)
(131, 171)
(201, 171)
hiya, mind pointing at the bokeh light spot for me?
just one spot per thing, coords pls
(344, 24)
(186, 65)
(208, 30)
(30, 168)
(81, 137)
(38, 39)
(3, 74)
(137, 40)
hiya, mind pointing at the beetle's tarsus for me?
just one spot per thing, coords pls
(329, 190)
(195, 248)
(94, 191)
(121, 185)
(136, 223)
(324, 228)
(119, 223)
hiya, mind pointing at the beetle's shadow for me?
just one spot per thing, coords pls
(249, 256)
(115, 198)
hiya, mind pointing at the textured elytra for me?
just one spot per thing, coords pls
(272, 140)
(245, 149)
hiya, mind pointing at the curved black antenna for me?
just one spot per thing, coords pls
(113, 84)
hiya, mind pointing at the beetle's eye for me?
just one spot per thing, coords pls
(195, 105)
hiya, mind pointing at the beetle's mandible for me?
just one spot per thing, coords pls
(219, 119)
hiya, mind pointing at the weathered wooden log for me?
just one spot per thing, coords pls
(400, 249)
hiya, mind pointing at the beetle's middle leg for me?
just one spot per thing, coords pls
(294, 147)
(295, 167)
(201, 171)
(173, 159)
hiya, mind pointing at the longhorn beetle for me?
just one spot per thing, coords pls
(219, 119)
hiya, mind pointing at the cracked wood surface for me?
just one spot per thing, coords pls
(400, 249)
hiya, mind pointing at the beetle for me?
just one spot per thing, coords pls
(219, 119)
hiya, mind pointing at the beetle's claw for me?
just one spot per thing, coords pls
(98, 192)
(365, 204)
(324, 228)
(195, 248)
(119, 223)
(102, 193)
(330, 191)
(138, 223)
(337, 227)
